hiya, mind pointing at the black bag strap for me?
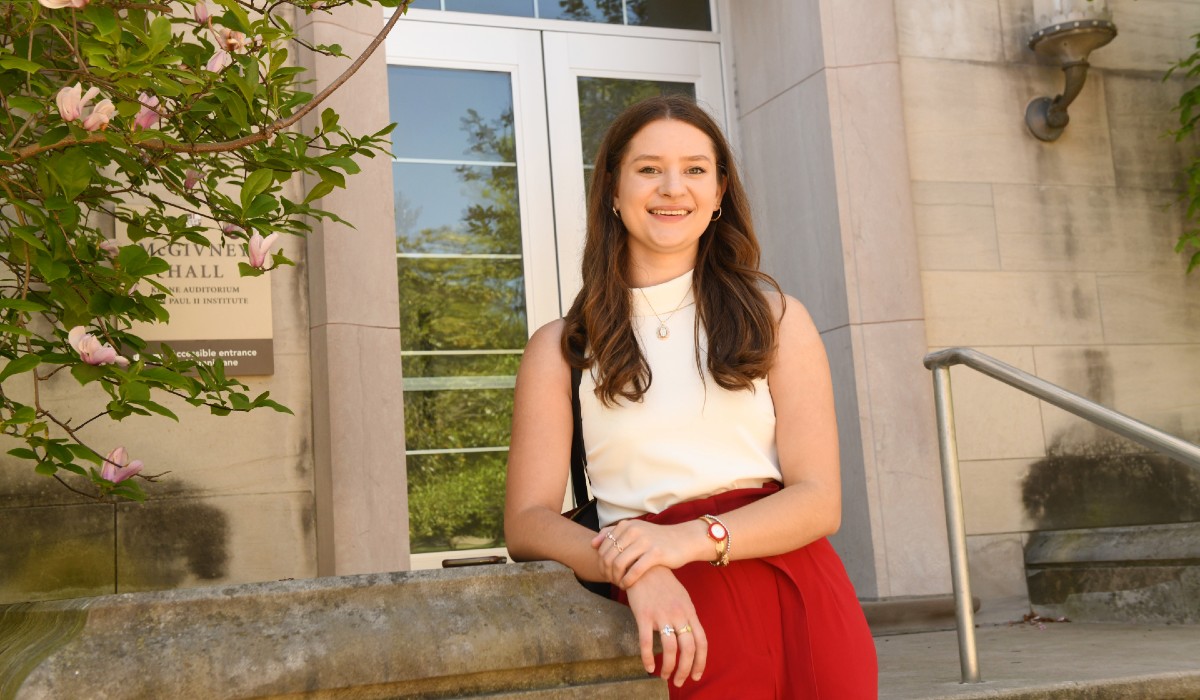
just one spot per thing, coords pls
(578, 456)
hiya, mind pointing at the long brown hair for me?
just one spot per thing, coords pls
(730, 303)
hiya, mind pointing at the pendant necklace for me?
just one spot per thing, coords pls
(663, 331)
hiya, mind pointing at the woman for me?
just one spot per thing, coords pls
(701, 395)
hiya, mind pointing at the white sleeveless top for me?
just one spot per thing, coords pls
(688, 437)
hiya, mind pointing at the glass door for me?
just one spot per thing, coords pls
(486, 250)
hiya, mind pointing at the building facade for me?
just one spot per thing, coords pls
(897, 194)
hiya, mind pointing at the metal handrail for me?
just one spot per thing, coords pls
(1119, 423)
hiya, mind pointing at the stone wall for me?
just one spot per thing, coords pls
(1056, 258)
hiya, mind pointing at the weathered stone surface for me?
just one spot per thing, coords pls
(502, 631)
(1126, 574)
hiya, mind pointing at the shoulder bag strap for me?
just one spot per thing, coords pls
(578, 457)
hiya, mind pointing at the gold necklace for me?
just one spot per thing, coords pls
(663, 332)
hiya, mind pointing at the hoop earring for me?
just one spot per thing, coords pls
(718, 214)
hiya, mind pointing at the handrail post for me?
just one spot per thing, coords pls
(955, 525)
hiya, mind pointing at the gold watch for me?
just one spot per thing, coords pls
(719, 534)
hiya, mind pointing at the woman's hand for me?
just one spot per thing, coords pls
(659, 601)
(630, 548)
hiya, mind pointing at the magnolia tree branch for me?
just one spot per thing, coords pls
(264, 134)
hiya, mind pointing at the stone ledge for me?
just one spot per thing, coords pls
(499, 630)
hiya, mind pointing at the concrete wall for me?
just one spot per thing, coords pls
(825, 158)
(1056, 258)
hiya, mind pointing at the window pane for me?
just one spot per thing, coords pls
(439, 420)
(606, 11)
(451, 114)
(458, 209)
(512, 8)
(426, 4)
(456, 501)
(602, 99)
(461, 304)
(677, 14)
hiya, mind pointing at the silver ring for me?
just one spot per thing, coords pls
(667, 631)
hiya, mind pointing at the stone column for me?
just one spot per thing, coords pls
(358, 406)
(825, 154)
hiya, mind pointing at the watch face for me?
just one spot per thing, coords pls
(716, 531)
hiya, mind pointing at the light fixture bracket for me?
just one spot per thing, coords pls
(1069, 44)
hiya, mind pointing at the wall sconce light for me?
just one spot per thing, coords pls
(1070, 31)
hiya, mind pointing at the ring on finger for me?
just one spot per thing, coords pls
(684, 630)
(667, 631)
(616, 544)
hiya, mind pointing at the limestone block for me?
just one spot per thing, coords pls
(1147, 382)
(965, 124)
(997, 567)
(52, 552)
(1142, 108)
(184, 542)
(352, 271)
(879, 200)
(1010, 308)
(954, 29)
(860, 32)
(1148, 307)
(854, 541)
(956, 226)
(779, 44)
(360, 482)
(1086, 228)
(1154, 34)
(992, 419)
(907, 474)
(796, 215)
(993, 496)
(493, 631)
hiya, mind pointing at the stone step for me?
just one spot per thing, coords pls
(1144, 573)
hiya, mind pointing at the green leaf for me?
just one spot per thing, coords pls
(329, 119)
(257, 182)
(23, 453)
(21, 304)
(86, 374)
(157, 408)
(17, 63)
(160, 35)
(319, 190)
(73, 171)
(27, 104)
(103, 18)
(54, 135)
(47, 468)
(22, 364)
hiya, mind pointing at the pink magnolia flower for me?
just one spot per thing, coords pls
(101, 114)
(231, 228)
(147, 116)
(57, 4)
(92, 351)
(232, 40)
(200, 12)
(259, 248)
(117, 467)
(109, 247)
(72, 100)
(190, 178)
(219, 61)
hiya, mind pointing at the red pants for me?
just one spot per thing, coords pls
(785, 627)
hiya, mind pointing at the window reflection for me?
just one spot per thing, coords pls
(462, 294)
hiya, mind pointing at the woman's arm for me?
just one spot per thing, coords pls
(539, 461)
(809, 505)
(538, 464)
